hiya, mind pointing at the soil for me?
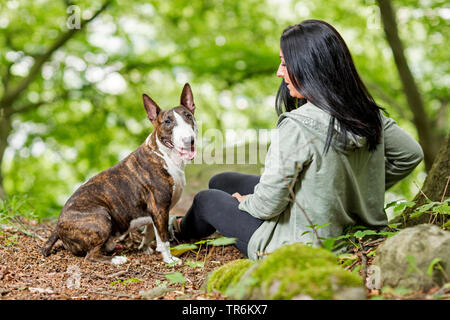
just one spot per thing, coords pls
(26, 274)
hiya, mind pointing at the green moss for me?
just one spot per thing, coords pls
(297, 256)
(318, 283)
(298, 269)
(288, 272)
(228, 275)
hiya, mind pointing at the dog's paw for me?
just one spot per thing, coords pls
(148, 250)
(119, 260)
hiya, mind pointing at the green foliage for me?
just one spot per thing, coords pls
(17, 212)
(182, 248)
(396, 292)
(352, 235)
(11, 241)
(412, 265)
(175, 277)
(433, 264)
(125, 282)
(216, 242)
(195, 264)
(88, 112)
(222, 241)
(399, 206)
(433, 208)
(15, 208)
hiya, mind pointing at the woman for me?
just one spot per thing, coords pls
(334, 157)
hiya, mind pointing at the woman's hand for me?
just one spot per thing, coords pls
(240, 197)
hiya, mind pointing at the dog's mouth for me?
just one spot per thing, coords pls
(168, 143)
(185, 153)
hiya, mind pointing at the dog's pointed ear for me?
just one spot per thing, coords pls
(187, 99)
(151, 107)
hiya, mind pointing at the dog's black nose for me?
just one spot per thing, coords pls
(189, 140)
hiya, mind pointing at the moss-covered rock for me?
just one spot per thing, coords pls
(294, 271)
(228, 275)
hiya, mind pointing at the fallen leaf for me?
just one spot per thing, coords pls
(40, 290)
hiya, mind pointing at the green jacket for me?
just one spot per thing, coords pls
(344, 187)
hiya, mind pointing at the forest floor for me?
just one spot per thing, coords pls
(26, 274)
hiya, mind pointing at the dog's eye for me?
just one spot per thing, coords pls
(188, 115)
(167, 121)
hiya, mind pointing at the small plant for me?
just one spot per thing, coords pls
(435, 264)
(434, 209)
(195, 264)
(216, 242)
(175, 278)
(314, 228)
(125, 282)
(399, 206)
(182, 248)
(221, 241)
(354, 234)
(14, 211)
(10, 241)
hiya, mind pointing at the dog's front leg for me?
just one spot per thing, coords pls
(160, 224)
(149, 236)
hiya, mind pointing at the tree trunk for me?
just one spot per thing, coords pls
(428, 138)
(5, 129)
(434, 187)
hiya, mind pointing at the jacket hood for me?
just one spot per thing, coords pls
(316, 120)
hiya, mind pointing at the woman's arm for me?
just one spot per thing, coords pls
(286, 158)
(402, 153)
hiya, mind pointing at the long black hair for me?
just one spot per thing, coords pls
(321, 68)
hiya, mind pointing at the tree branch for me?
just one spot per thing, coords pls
(7, 76)
(10, 96)
(34, 105)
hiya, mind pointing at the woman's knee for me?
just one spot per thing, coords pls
(207, 198)
(219, 180)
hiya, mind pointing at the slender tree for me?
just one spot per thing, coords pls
(429, 139)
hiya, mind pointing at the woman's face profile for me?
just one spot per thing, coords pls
(283, 73)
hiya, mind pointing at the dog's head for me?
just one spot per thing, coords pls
(175, 128)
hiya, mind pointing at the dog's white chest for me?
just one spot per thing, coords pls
(174, 165)
(179, 181)
(176, 171)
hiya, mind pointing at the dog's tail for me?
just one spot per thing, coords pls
(47, 247)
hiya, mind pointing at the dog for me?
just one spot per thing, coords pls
(138, 191)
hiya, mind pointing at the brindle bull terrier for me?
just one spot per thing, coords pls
(138, 191)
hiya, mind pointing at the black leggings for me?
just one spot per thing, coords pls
(215, 209)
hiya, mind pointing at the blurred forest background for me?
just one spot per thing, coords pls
(70, 98)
